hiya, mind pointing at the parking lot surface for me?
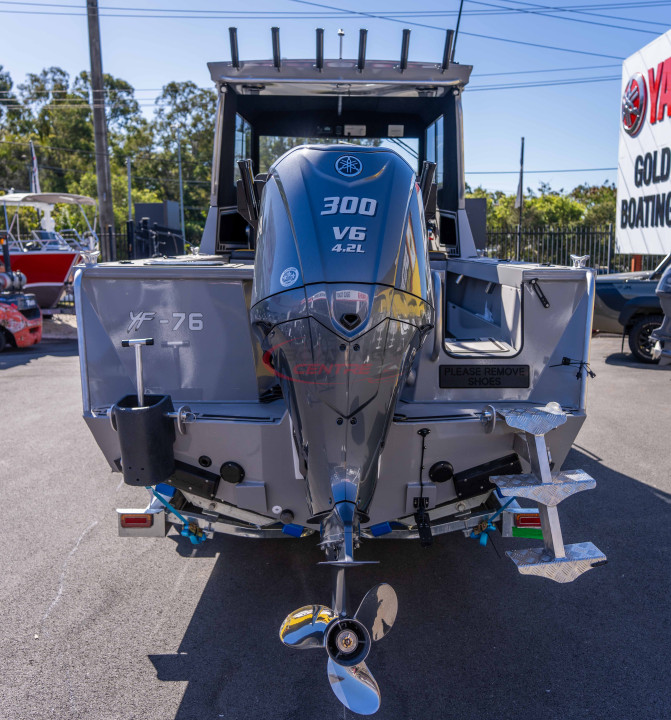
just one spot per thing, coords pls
(100, 627)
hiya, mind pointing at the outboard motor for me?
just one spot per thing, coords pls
(343, 299)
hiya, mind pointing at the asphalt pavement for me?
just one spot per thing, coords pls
(99, 627)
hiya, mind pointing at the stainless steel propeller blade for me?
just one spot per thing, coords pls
(304, 628)
(355, 687)
(378, 609)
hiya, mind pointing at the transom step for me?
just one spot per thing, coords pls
(563, 485)
(580, 558)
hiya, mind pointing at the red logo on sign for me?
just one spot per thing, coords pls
(634, 102)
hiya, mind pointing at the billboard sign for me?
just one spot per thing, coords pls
(644, 158)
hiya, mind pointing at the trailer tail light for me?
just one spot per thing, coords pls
(530, 520)
(137, 520)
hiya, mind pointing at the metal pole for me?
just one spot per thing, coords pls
(521, 195)
(610, 247)
(130, 199)
(100, 131)
(181, 187)
(341, 35)
(456, 32)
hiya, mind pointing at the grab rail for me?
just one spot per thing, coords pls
(438, 326)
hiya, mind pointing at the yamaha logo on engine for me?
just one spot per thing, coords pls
(348, 165)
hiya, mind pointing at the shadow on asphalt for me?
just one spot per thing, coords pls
(624, 359)
(473, 639)
(13, 357)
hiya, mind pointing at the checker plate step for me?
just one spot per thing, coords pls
(580, 558)
(535, 421)
(564, 484)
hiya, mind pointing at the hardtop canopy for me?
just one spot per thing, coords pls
(378, 78)
(44, 200)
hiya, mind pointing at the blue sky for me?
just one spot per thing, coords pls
(566, 126)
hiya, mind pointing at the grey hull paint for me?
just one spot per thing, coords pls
(209, 354)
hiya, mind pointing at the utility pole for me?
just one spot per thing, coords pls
(130, 197)
(181, 186)
(519, 201)
(108, 246)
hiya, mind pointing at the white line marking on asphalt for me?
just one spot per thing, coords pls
(55, 601)
(118, 487)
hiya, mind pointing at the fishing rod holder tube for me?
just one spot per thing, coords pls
(146, 438)
(146, 432)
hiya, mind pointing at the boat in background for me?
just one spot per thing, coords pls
(46, 256)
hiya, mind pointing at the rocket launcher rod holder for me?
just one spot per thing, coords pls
(145, 428)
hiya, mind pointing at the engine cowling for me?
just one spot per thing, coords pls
(342, 298)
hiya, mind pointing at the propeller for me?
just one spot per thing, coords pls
(347, 642)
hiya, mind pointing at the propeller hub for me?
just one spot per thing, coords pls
(347, 642)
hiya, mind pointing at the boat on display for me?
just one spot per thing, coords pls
(338, 364)
(46, 256)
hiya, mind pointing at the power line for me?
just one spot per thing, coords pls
(336, 12)
(537, 172)
(568, 19)
(478, 35)
(582, 11)
(135, 156)
(328, 7)
(542, 84)
(546, 70)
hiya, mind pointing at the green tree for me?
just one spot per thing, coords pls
(599, 202)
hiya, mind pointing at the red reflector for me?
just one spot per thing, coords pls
(527, 521)
(137, 521)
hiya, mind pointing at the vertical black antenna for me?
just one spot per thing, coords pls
(361, 62)
(276, 47)
(454, 45)
(449, 36)
(320, 49)
(235, 57)
(405, 47)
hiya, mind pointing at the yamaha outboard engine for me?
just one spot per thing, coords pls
(342, 295)
(343, 300)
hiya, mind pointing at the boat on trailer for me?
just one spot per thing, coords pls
(46, 256)
(338, 364)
